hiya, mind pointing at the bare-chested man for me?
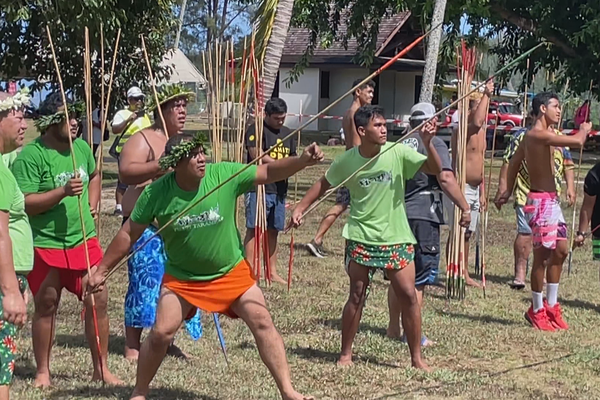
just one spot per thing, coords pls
(476, 145)
(542, 209)
(138, 167)
(362, 96)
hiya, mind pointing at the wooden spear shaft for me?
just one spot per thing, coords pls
(80, 206)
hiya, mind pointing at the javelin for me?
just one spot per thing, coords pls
(76, 175)
(242, 170)
(331, 190)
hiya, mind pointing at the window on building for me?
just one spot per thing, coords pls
(418, 83)
(324, 85)
(376, 91)
(276, 88)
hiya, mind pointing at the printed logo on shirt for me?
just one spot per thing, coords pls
(63, 178)
(207, 218)
(280, 151)
(384, 177)
(413, 143)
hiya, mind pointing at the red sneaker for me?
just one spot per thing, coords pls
(555, 316)
(539, 320)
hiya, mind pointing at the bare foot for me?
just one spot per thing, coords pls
(42, 381)
(421, 365)
(137, 397)
(109, 378)
(296, 396)
(131, 354)
(471, 282)
(176, 352)
(345, 361)
(277, 279)
(393, 333)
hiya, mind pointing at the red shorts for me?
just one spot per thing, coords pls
(70, 264)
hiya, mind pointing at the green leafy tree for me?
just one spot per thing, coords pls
(208, 20)
(25, 50)
(571, 27)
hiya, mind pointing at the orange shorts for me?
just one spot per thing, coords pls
(214, 296)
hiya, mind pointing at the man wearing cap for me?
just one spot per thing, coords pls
(44, 172)
(125, 123)
(138, 167)
(424, 210)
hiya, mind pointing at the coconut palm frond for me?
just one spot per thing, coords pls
(263, 25)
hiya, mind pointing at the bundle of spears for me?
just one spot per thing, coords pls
(228, 107)
(455, 278)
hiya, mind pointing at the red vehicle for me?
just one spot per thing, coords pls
(509, 114)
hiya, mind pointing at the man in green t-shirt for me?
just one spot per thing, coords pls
(377, 232)
(44, 172)
(205, 266)
(16, 243)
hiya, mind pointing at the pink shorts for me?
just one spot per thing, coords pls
(545, 218)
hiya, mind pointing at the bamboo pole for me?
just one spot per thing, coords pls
(102, 126)
(572, 234)
(153, 84)
(80, 206)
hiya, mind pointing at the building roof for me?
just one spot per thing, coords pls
(181, 68)
(298, 39)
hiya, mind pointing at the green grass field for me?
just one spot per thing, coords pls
(484, 347)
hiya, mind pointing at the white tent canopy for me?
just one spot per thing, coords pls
(182, 70)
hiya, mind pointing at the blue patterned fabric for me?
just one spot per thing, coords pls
(146, 269)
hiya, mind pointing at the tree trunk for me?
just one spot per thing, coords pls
(274, 48)
(433, 48)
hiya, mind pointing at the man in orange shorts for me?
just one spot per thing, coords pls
(44, 172)
(205, 265)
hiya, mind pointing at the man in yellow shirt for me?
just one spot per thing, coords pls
(125, 123)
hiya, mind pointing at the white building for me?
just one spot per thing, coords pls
(332, 71)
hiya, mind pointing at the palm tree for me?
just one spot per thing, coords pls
(272, 29)
(433, 47)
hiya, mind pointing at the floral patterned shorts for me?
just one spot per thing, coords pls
(394, 256)
(8, 348)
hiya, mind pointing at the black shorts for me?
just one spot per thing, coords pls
(427, 251)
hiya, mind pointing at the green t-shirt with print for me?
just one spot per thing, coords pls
(40, 169)
(13, 202)
(377, 211)
(204, 244)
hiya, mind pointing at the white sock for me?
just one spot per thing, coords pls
(538, 301)
(552, 293)
(118, 207)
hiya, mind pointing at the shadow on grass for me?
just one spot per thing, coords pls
(124, 392)
(25, 369)
(585, 305)
(498, 279)
(115, 343)
(336, 324)
(466, 381)
(486, 319)
(310, 353)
